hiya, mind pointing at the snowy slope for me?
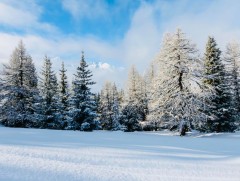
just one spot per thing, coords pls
(33, 154)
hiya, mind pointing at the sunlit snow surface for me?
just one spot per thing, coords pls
(34, 154)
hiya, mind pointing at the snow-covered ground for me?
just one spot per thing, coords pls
(33, 154)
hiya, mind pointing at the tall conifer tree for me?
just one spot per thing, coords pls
(135, 108)
(63, 89)
(84, 107)
(63, 101)
(19, 89)
(219, 110)
(232, 59)
(49, 93)
(109, 107)
(174, 103)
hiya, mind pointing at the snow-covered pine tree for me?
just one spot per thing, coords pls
(155, 81)
(109, 107)
(144, 99)
(97, 98)
(115, 108)
(121, 99)
(50, 99)
(220, 112)
(105, 107)
(34, 97)
(64, 96)
(149, 78)
(19, 90)
(174, 103)
(83, 105)
(135, 109)
(134, 85)
(232, 59)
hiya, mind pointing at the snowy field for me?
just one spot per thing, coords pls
(33, 154)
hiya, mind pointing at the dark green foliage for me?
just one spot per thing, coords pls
(83, 103)
(50, 97)
(63, 101)
(219, 110)
(131, 114)
(232, 57)
(63, 89)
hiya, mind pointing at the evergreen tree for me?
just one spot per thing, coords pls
(105, 107)
(130, 118)
(63, 88)
(84, 107)
(149, 79)
(109, 107)
(115, 108)
(49, 93)
(152, 123)
(220, 117)
(232, 59)
(97, 100)
(135, 109)
(121, 99)
(64, 95)
(155, 79)
(19, 90)
(174, 103)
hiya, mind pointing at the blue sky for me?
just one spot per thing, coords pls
(113, 33)
(108, 20)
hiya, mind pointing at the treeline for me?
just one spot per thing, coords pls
(181, 91)
(44, 102)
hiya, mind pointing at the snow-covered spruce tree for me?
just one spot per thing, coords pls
(115, 108)
(18, 90)
(83, 111)
(156, 78)
(232, 59)
(174, 103)
(97, 98)
(109, 107)
(105, 107)
(50, 99)
(135, 109)
(121, 99)
(64, 96)
(97, 109)
(150, 125)
(150, 76)
(220, 112)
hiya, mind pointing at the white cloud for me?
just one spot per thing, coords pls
(104, 66)
(103, 72)
(142, 41)
(23, 15)
(87, 9)
(96, 9)
(15, 17)
(215, 18)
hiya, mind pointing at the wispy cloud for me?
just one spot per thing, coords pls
(24, 16)
(97, 9)
(203, 18)
(87, 9)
